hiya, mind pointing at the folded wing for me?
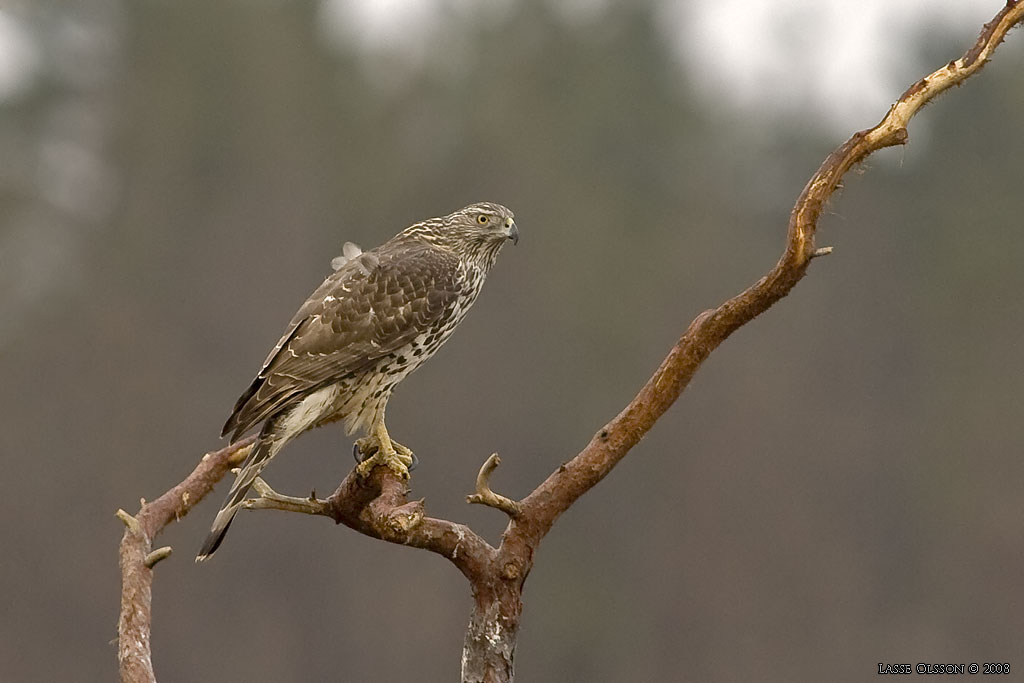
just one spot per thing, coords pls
(372, 306)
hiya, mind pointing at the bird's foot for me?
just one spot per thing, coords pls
(363, 449)
(406, 452)
(376, 451)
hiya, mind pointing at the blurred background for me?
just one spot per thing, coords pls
(839, 486)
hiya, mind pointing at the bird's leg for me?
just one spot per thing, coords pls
(394, 456)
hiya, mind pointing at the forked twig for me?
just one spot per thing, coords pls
(485, 496)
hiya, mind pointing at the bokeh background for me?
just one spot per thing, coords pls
(840, 485)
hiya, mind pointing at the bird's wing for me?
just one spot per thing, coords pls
(370, 307)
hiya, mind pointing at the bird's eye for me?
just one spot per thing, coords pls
(481, 219)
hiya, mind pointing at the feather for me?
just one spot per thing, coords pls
(349, 251)
(265, 448)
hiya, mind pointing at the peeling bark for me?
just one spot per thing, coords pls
(488, 651)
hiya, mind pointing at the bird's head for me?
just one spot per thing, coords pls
(475, 232)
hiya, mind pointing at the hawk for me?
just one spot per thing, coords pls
(378, 317)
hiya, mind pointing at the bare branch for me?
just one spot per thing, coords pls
(485, 496)
(138, 557)
(554, 496)
(378, 507)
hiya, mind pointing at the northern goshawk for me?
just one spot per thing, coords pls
(377, 318)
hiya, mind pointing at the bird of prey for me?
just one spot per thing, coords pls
(377, 318)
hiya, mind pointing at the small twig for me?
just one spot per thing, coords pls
(485, 496)
(157, 555)
(821, 251)
(269, 499)
(129, 521)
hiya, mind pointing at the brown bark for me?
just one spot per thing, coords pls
(489, 648)
(379, 507)
(138, 557)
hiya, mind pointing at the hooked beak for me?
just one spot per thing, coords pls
(513, 233)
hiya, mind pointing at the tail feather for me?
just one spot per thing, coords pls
(266, 447)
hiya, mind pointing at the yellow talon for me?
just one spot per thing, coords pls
(391, 454)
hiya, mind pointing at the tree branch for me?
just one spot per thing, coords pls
(138, 557)
(378, 506)
(570, 481)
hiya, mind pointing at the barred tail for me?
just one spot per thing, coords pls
(266, 447)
